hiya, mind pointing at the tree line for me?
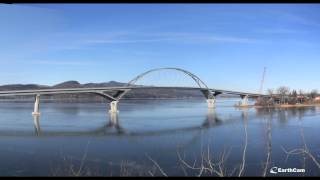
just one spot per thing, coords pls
(283, 95)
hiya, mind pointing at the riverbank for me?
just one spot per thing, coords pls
(296, 105)
(279, 106)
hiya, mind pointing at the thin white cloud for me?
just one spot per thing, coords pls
(280, 31)
(302, 17)
(226, 39)
(59, 62)
(302, 20)
(119, 41)
(172, 37)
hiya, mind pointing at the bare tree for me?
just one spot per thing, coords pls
(301, 92)
(293, 97)
(294, 93)
(270, 92)
(283, 91)
(313, 93)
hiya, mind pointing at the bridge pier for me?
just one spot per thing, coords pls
(36, 106)
(114, 119)
(36, 121)
(244, 101)
(211, 117)
(211, 97)
(114, 107)
(211, 102)
(114, 123)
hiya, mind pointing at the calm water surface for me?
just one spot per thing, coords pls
(150, 133)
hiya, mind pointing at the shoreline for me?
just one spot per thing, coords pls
(279, 106)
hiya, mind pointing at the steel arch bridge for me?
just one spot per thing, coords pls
(196, 79)
(115, 94)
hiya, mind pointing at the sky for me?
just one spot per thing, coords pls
(225, 45)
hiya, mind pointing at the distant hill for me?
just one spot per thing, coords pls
(22, 87)
(66, 84)
(76, 84)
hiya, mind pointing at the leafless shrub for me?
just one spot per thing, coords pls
(157, 165)
(269, 140)
(207, 165)
(131, 168)
(304, 151)
(68, 166)
(244, 150)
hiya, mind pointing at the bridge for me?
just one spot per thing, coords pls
(115, 94)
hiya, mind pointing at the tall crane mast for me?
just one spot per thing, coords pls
(262, 80)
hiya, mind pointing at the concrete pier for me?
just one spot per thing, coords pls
(36, 105)
(244, 101)
(115, 124)
(114, 121)
(114, 107)
(36, 121)
(211, 102)
(211, 117)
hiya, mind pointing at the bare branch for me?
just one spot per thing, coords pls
(244, 151)
(162, 172)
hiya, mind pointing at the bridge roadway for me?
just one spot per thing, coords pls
(118, 92)
(114, 88)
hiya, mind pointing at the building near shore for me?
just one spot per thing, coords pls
(317, 98)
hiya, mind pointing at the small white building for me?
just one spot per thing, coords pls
(317, 98)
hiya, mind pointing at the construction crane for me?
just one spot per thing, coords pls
(262, 80)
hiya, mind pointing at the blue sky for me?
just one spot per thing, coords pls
(226, 45)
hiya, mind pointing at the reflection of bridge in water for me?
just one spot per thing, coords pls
(113, 127)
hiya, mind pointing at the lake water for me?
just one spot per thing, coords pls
(155, 138)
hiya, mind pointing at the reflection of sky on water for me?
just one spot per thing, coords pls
(140, 116)
(157, 128)
(94, 117)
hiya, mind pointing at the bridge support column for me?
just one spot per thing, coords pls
(36, 106)
(244, 101)
(114, 120)
(36, 121)
(114, 107)
(211, 102)
(114, 123)
(211, 117)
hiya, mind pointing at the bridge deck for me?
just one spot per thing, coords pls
(116, 88)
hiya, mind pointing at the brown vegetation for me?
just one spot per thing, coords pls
(283, 97)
